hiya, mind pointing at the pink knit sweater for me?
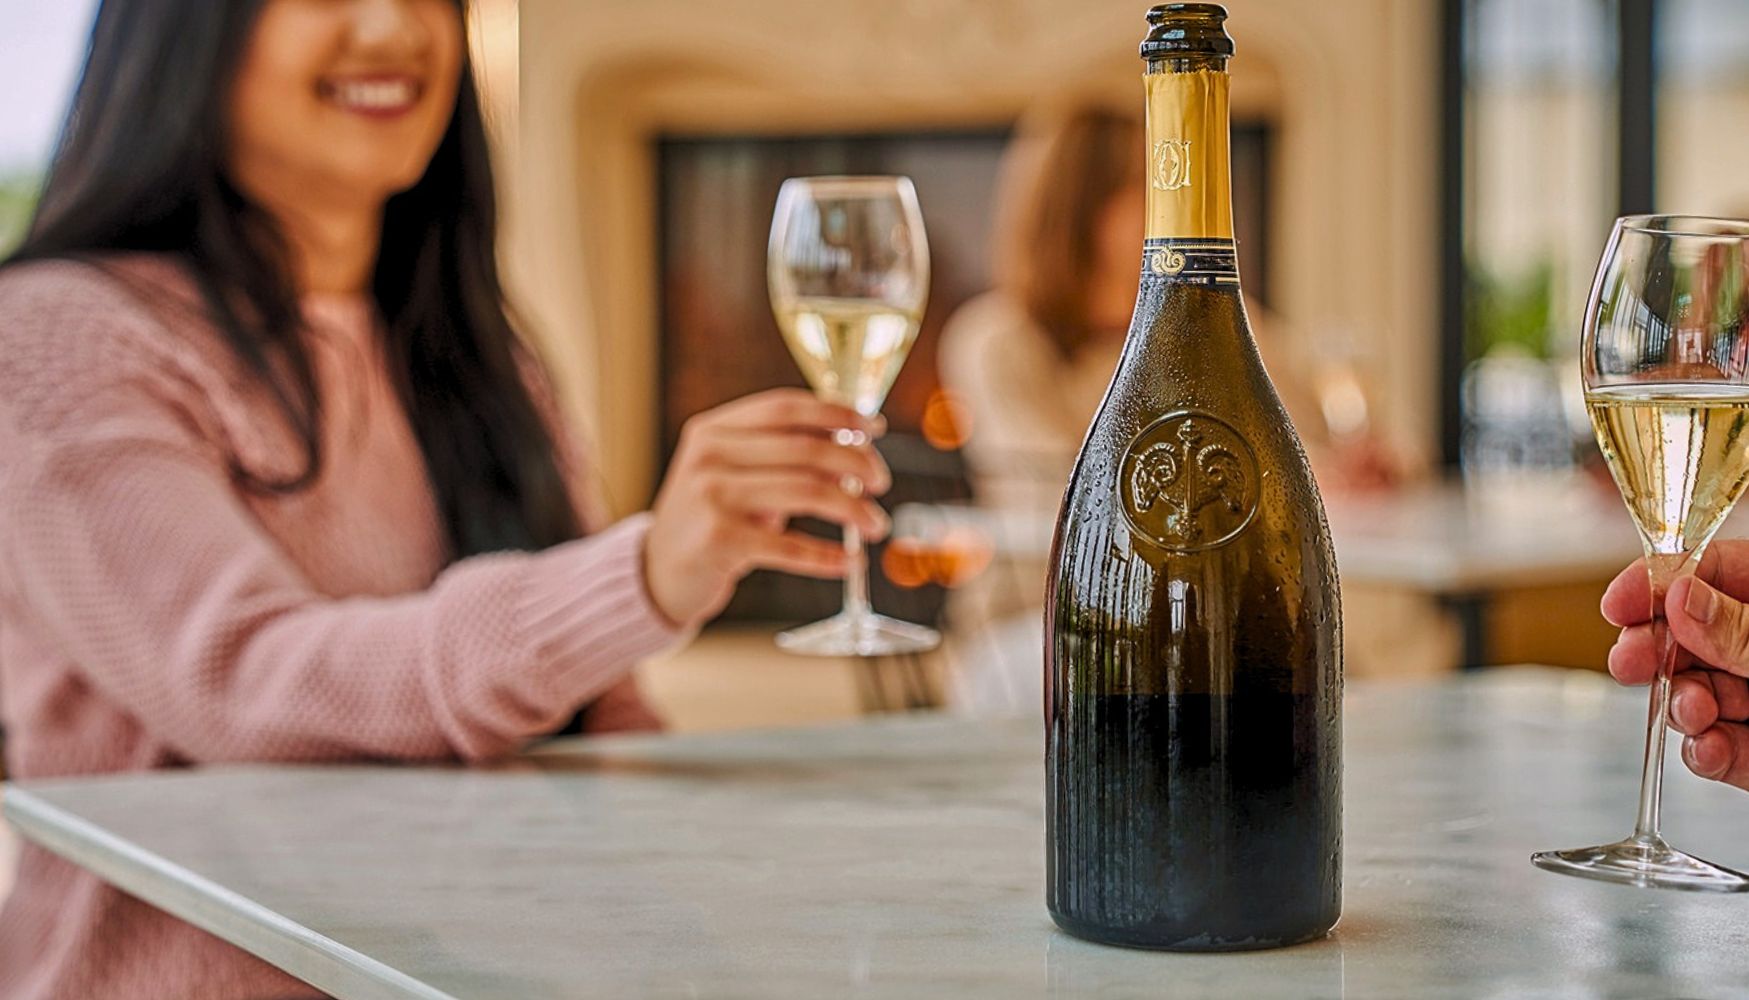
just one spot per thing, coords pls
(153, 614)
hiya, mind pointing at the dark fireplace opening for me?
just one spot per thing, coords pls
(718, 339)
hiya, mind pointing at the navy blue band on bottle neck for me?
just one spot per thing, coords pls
(1191, 261)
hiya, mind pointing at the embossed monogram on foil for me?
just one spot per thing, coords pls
(1189, 482)
(1171, 164)
(1165, 261)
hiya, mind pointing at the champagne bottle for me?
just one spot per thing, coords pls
(1193, 622)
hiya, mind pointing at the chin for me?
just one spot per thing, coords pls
(404, 183)
(381, 180)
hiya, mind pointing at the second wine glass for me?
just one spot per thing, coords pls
(848, 267)
(1665, 361)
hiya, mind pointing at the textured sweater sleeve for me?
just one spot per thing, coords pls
(124, 541)
(621, 708)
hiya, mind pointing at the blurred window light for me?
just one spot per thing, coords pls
(1702, 60)
(42, 47)
(1572, 112)
(1703, 41)
(1515, 42)
(1540, 141)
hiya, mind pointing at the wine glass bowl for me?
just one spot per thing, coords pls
(1665, 366)
(848, 268)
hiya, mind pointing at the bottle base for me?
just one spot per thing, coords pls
(1146, 940)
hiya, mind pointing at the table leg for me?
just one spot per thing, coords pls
(910, 683)
(871, 693)
(919, 693)
(1471, 611)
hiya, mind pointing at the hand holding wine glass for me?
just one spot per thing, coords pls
(741, 471)
(849, 272)
(1665, 362)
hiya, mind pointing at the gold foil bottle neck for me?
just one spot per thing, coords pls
(1189, 181)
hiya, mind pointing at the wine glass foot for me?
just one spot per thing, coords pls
(858, 635)
(1647, 862)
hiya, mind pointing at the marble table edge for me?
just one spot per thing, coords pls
(320, 961)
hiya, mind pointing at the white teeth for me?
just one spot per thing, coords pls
(376, 95)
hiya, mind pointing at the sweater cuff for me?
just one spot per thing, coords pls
(587, 611)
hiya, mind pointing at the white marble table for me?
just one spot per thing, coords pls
(903, 858)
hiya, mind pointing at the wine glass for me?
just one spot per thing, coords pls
(848, 267)
(1665, 363)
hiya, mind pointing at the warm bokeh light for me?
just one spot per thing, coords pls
(952, 560)
(905, 563)
(947, 422)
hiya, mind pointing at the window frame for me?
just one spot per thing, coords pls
(1636, 163)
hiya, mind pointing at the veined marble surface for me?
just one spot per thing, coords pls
(904, 858)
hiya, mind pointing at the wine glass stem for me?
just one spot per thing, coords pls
(1657, 723)
(1658, 713)
(856, 604)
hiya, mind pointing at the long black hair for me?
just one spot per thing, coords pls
(140, 167)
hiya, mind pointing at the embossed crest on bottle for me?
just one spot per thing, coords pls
(1189, 482)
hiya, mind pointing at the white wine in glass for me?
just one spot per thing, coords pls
(848, 266)
(850, 350)
(1680, 454)
(1665, 360)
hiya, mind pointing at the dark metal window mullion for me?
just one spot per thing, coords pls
(1451, 112)
(1637, 104)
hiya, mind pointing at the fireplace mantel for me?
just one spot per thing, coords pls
(1350, 83)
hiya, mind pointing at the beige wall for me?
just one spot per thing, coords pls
(1350, 81)
(1702, 147)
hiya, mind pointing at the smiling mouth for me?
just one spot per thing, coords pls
(377, 96)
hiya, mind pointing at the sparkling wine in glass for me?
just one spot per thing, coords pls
(848, 267)
(1665, 360)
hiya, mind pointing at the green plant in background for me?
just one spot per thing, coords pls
(1508, 310)
(18, 194)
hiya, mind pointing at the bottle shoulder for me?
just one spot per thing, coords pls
(1171, 368)
(1185, 456)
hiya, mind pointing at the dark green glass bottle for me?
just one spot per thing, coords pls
(1193, 621)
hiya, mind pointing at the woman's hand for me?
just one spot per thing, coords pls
(1709, 697)
(740, 473)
